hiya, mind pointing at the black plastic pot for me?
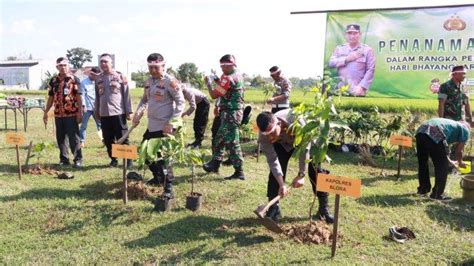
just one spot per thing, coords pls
(163, 204)
(194, 201)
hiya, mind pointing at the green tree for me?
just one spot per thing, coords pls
(188, 72)
(78, 56)
(257, 82)
(171, 71)
(140, 78)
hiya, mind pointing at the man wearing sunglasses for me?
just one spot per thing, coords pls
(276, 142)
(113, 105)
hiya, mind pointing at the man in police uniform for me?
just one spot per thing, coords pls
(281, 98)
(164, 99)
(230, 90)
(112, 105)
(277, 144)
(355, 62)
(453, 99)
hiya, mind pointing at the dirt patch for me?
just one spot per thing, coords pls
(39, 170)
(316, 232)
(139, 191)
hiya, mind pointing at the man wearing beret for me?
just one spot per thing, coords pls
(355, 62)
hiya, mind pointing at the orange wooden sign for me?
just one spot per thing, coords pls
(15, 138)
(339, 185)
(401, 140)
(124, 151)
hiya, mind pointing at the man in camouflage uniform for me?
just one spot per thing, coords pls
(453, 99)
(281, 98)
(163, 97)
(230, 90)
(112, 105)
(355, 62)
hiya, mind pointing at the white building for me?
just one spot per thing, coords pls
(23, 74)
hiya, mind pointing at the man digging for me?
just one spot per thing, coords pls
(277, 144)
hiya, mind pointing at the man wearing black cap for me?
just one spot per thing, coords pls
(453, 99)
(355, 62)
(281, 98)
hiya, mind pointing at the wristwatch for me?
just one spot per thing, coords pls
(301, 175)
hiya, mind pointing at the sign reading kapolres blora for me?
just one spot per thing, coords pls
(399, 53)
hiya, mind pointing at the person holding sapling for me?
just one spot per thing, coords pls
(432, 140)
(163, 97)
(230, 91)
(276, 142)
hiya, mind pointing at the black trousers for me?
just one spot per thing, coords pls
(216, 123)
(67, 128)
(425, 148)
(113, 128)
(284, 157)
(157, 167)
(201, 118)
(274, 110)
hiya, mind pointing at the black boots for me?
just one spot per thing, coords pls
(195, 145)
(323, 212)
(274, 212)
(212, 166)
(157, 181)
(238, 174)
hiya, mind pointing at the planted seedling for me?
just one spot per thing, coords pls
(39, 151)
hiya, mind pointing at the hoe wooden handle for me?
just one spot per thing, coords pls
(271, 202)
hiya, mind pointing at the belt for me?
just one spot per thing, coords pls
(282, 105)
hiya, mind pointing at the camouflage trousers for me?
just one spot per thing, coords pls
(228, 138)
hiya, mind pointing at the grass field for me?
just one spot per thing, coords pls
(298, 96)
(83, 221)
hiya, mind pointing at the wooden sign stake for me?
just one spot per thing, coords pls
(340, 186)
(125, 152)
(16, 139)
(125, 184)
(334, 230)
(401, 141)
(18, 160)
(400, 150)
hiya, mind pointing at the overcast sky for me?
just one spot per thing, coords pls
(259, 33)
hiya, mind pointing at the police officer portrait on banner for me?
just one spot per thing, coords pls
(355, 63)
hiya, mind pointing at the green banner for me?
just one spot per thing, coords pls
(401, 53)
